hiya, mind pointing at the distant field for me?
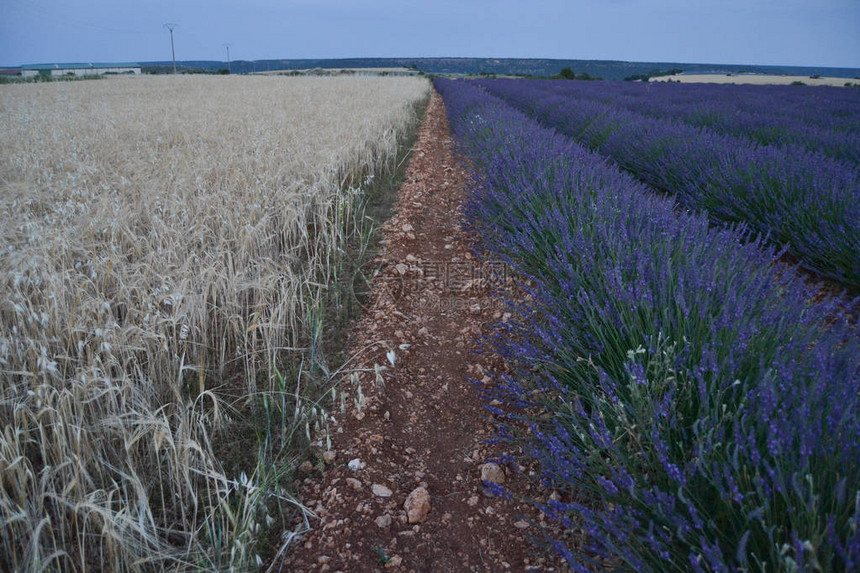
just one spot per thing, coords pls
(167, 247)
(755, 79)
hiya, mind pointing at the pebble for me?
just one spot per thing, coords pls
(417, 505)
(492, 473)
(355, 465)
(329, 456)
(306, 467)
(353, 483)
(381, 491)
(383, 521)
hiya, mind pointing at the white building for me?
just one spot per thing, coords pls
(78, 69)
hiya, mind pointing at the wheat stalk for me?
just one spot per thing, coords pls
(163, 240)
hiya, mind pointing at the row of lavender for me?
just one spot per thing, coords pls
(687, 399)
(825, 120)
(805, 200)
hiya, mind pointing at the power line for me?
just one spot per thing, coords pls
(170, 27)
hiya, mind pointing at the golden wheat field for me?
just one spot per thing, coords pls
(167, 244)
(754, 79)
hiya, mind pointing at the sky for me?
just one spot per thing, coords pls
(763, 32)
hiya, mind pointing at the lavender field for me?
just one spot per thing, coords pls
(784, 164)
(820, 121)
(696, 406)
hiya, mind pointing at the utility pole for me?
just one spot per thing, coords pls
(172, 51)
(228, 57)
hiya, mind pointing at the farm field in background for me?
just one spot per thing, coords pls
(754, 79)
(689, 403)
(169, 252)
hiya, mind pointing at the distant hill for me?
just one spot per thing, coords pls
(607, 69)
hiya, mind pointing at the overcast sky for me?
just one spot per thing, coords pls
(781, 32)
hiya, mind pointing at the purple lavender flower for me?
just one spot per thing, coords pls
(705, 413)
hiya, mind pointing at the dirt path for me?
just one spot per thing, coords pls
(422, 425)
